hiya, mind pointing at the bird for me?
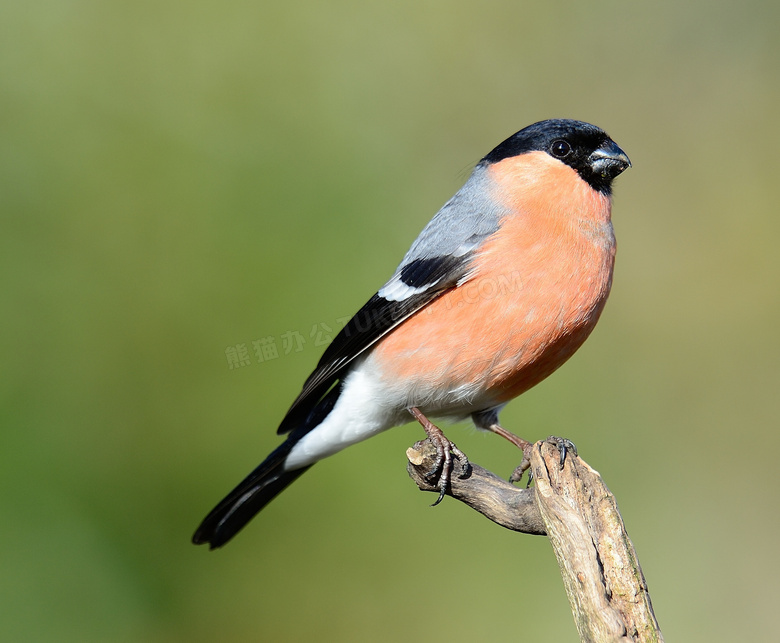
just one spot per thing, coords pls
(499, 289)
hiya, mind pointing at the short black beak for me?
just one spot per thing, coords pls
(609, 160)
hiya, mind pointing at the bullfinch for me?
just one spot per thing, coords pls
(500, 288)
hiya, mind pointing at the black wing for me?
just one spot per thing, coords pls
(425, 279)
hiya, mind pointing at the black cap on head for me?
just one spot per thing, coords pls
(582, 146)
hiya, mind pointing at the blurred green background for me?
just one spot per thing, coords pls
(178, 179)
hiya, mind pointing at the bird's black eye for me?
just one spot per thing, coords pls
(560, 148)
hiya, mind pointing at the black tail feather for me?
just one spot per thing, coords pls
(250, 496)
(261, 486)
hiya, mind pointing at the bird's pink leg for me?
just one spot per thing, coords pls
(445, 448)
(562, 444)
(523, 445)
(508, 435)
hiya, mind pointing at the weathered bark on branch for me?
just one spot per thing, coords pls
(604, 582)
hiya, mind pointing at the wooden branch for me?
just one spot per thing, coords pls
(604, 582)
(483, 491)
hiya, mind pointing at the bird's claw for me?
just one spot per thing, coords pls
(445, 449)
(563, 445)
(517, 474)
